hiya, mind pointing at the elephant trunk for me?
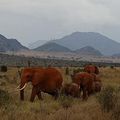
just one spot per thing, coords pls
(22, 87)
(22, 95)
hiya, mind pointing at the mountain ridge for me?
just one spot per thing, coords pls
(96, 40)
(77, 40)
(88, 50)
(52, 47)
(10, 44)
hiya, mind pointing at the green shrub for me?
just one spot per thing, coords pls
(67, 71)
(109, 100)
(78, 70)
(4, 97)
(66, 101)
(116, 108)
(3, 68)
(105, 98)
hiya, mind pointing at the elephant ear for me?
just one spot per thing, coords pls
(37, 78)
(96, 70)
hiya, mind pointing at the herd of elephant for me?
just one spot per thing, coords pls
(50, 80)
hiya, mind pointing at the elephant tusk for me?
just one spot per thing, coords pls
(23, 87)
(18, 86)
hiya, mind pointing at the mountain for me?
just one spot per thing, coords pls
(116, 55)
(37, 44)
(98, 41)
(88, 50)
(10, 44)
(52, 47)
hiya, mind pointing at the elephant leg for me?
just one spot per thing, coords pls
(33, 94)
(90, 91)
(39, 95)
(80, 91)
(22, 95)
(84, 93)
(55, 94)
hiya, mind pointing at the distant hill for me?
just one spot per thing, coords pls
(10, 44)
(98, 41)
(37, 44)
(52, 47)
(116, 55)
(88, 50)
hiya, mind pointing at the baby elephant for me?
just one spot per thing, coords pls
(71, 89)
(97, 86)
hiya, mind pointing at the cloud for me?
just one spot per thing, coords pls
(31, 20)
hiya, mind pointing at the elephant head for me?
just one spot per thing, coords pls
(91, 69)
(26, 76)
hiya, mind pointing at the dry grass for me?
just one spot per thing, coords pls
(49, 109)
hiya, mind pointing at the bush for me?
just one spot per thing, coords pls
(4, 97)
(78, 70)
(112, 67)
(3, 68)
(116, 109)
(67, 71)
(105, 98)
(109, 100)
(66, 101)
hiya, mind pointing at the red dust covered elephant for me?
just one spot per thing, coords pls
(97, 83)
(85, 81)
(89, 83)
(48, 80)
(91, 69)
(71, 89)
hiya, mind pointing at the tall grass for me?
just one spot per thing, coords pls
(64, 108)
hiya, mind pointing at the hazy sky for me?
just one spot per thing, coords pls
(32, 20)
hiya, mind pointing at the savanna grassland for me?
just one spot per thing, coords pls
(65, 108)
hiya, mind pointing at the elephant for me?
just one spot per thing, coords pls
(48, 80)
(97, 83)
(85, 81)
(98, 86)
(91, 69)
(71, 89)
